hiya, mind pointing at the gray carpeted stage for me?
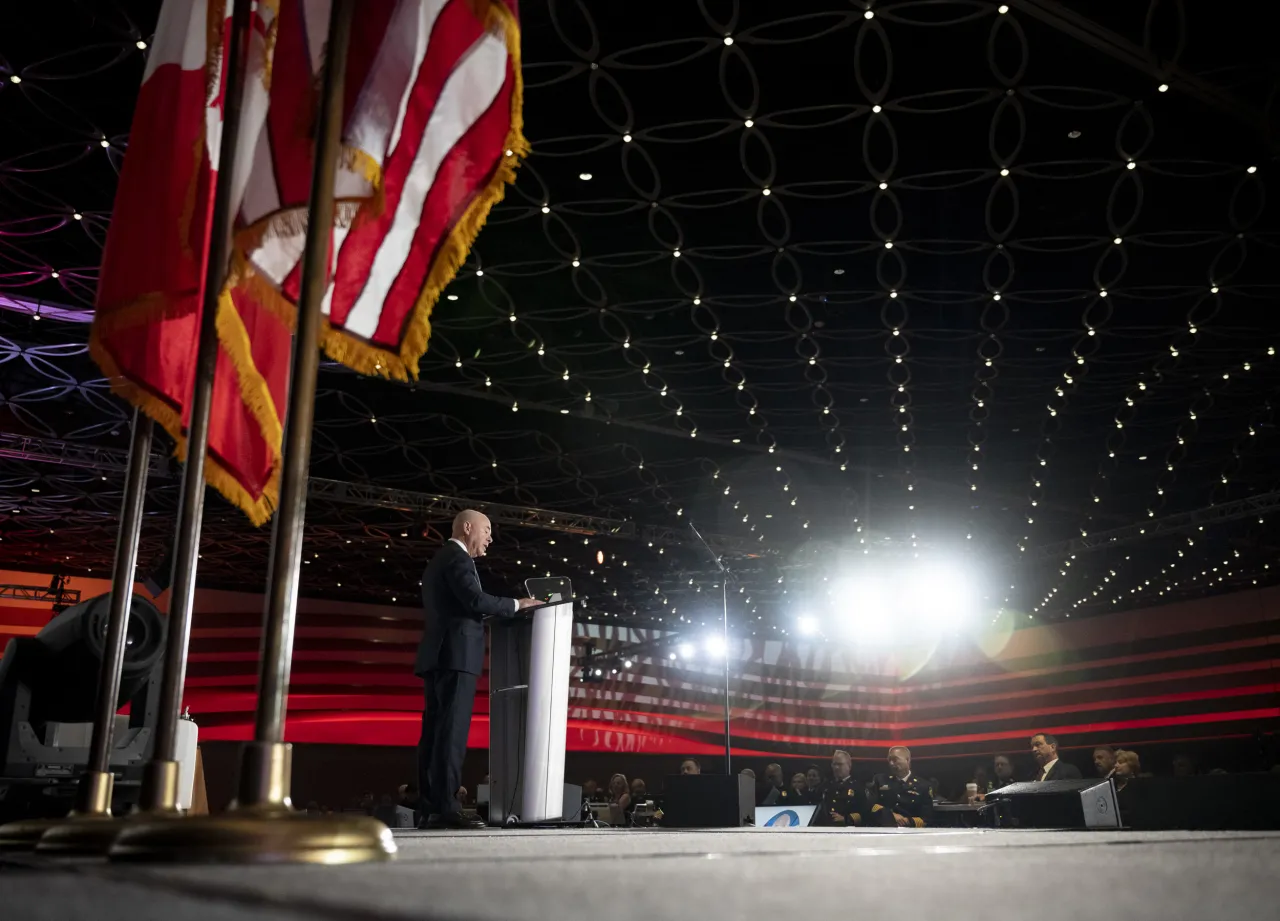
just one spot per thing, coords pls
(703, 875)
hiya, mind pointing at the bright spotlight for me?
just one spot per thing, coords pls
(941, 596)
(685, 650)
(599, 672)
(715, 646)
(626, 663)
(807, 626)
(866, 610)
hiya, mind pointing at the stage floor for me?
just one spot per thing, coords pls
(602, 874)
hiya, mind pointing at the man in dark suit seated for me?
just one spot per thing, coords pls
(1044, 748)
(450, 659)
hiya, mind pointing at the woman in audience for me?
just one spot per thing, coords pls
(813, 779)
(1127, 767)
(619, 799)
(799, 788)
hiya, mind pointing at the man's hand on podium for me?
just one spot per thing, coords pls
(527, 603)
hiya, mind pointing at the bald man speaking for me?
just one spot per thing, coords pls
(450, 659)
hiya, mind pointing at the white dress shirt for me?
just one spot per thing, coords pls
(1044, 771)
(514, 601)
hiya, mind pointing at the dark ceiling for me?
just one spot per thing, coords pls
(945, 281)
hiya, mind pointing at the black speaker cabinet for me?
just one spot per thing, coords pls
(1057, 804)
(708, 800)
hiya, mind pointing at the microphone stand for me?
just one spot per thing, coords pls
(724, 595)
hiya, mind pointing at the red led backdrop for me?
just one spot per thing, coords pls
(1194, 670)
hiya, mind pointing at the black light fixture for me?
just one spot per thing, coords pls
(48, 688)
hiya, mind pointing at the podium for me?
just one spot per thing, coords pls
(530, 660)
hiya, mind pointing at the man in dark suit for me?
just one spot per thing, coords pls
(450, 659)
(1044, 748)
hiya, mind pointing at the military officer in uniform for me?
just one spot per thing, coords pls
(900, 797)
(843, 802)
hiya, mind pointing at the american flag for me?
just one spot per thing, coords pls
(431, 134)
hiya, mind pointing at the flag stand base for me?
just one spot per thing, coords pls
(25, 834)
(80, 836)
(272, 834)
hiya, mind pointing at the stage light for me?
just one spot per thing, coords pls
(686, 650)
(807, 626)
(870, 619)
(51, 679)
(626, 663)
(600, 557)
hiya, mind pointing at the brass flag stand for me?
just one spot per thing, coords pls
(90, 823)
(262, 825)
(85, 832)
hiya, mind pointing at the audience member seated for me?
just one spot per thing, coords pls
(590, 791)
(773, 790)
(900, 797)
(800, 793)
(843, 802)
(1104, 760)
(813, 778)
(1126, 767)
(1044, 748)
(981, 777)
(619, 800)
(1184, 766)
(934, 786)
(638, 789)
(1002, 767)
(690, 766)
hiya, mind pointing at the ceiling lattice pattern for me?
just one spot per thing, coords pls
(848, 284)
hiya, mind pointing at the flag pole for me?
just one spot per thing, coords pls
(160, 777)
(262, 826)
(264, 763)
(85, 827)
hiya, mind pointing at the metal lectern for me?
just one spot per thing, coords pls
(530, 658)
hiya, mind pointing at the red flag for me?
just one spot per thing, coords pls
(431, 132)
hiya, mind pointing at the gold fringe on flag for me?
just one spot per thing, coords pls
(234, 340)
(369, 359)
(337, 344)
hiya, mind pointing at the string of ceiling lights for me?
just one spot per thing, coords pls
(1185, 435)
